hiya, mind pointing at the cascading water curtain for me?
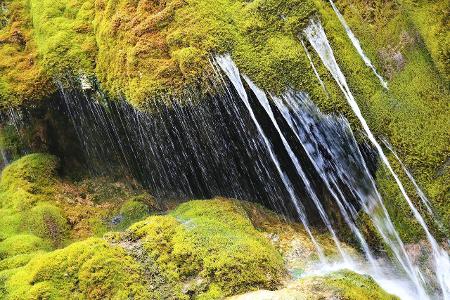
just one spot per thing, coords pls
(318, 40)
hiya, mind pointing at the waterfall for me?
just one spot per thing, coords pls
(305, 120)
(200, 147)
(357, 45)
(318, 40)
(230, 69)
(262, 98)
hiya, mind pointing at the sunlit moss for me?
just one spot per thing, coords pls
(28, 180)
(47, 221)
(90, 269)
(21, 77)
(21, 244)
(214, 241)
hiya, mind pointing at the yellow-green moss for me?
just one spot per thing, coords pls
(21, 244)
(21, 77)
(213, 241)
(28, 180)
(413, 113)
(88, 270)
(47, 221)
(345, 285)
(64, 35)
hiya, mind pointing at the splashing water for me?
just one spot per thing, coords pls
(357, 45)
(318, 40)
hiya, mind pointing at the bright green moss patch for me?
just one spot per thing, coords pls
(47, 221)
(21, 77)
(131, 212)
(63, 33)
(431, 20)
(21, 244)
(202, 250)
(90, 269)
(28, 180)
(343, 285)
(213, 241)
(413, 113)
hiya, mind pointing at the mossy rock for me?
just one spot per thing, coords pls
(21, 244)
(86, 270)
(47, 221)
(28, 180)
(212, 241)
(339, 285)
(203, 249)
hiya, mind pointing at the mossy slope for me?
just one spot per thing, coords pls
(203, 249)
(39, 212)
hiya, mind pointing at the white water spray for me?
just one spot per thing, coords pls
(262, 98)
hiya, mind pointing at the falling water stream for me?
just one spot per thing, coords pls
(357, 45)
(318, 40)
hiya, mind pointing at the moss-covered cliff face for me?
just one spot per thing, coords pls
(139, 49)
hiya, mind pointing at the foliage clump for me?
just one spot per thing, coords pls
(345, 285)
(28, 180)
(91, 269)
(210, 246)
(21, 76)
(47, 221)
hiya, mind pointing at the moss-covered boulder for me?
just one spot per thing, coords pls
(28, 180)
(339, 285)
(210, 247)
(91, 269)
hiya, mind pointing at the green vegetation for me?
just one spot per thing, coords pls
(339, 285)
(21, 76)
(63, 33)
(47, 221)
(35, 217)
(85, 270)
(212, 241)
(203, 249)
(27, 181)
(344, 285)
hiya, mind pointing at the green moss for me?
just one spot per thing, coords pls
(10, 141)
(47, 221)
(413, 112)
(203, 249)
(28, 180)
(21, 78)
(146, 48)
(64, 35)
(10, 221)
(18, 261)
(344, 285)
(213, 241)
(21, 244)
(431, 20)
(131, 212)
(89, 269)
